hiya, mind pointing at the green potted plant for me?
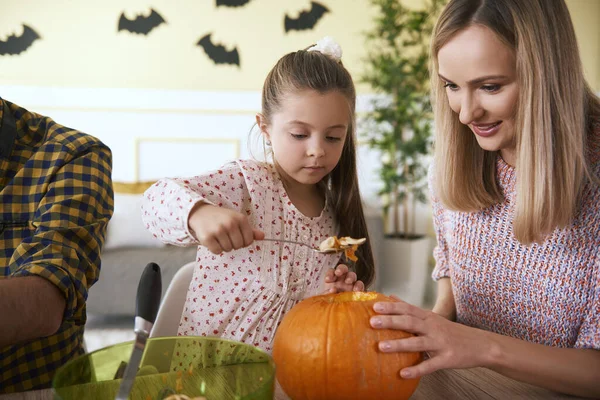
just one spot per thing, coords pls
(399, 126)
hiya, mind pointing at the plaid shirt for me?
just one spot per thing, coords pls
(56, 199)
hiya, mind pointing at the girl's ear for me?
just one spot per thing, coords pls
(262, 125)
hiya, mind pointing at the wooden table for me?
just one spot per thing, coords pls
(476, 384)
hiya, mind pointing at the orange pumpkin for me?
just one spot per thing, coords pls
(325, 349)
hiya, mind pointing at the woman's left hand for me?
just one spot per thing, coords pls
(447, 344)
(341, 279)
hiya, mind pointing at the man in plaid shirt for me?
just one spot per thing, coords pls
(56, 199)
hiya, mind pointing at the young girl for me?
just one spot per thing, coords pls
(516, 201)
(243, 285)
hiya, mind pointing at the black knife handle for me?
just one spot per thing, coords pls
(149, 293)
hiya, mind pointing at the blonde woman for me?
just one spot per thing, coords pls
(516, 201)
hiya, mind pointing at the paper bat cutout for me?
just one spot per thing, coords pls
(306, 19)
(232, 3)
(218, 53)
(141, 24)
(14, 44)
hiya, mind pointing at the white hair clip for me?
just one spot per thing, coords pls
(329, 47)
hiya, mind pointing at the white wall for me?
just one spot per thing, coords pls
(157, 133)
(152, 133)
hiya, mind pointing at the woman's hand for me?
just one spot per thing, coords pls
(341, 279)
(447, 344)
(221, 229)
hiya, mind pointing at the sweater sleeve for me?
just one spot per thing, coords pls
(440, 252)
(589, 333)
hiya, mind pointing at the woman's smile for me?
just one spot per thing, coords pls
(486, 130)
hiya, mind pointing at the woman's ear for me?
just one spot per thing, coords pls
(262, 125)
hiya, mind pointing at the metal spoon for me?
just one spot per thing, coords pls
(328, 251)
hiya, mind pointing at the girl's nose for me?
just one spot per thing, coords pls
(315, 149)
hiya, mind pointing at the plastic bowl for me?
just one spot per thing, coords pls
(215, 368)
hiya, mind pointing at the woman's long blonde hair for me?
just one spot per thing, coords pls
(312, 70)
(555, 112)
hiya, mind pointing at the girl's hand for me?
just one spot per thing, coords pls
(221, 229)
(341, 279)
(447, 344)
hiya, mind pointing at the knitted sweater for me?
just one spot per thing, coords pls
(546, 293)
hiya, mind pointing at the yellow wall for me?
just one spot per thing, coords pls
(81, 47)
(586, 18)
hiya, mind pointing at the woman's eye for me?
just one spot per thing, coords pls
(450, 86)
(490, 88)
(298, 135)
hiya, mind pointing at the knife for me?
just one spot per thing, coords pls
(146, 308)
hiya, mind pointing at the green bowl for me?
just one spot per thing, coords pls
(215, 368)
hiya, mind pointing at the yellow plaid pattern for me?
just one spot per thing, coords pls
(56, 199)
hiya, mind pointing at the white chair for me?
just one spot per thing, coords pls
(171, 308)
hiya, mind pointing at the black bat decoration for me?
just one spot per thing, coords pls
(306, 19)
(218, 53)
(232, 3)
(141, 24)
(18, 44)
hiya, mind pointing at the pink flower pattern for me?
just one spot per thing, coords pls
(244, 294)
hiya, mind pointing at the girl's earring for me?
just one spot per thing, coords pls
(268, 142)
